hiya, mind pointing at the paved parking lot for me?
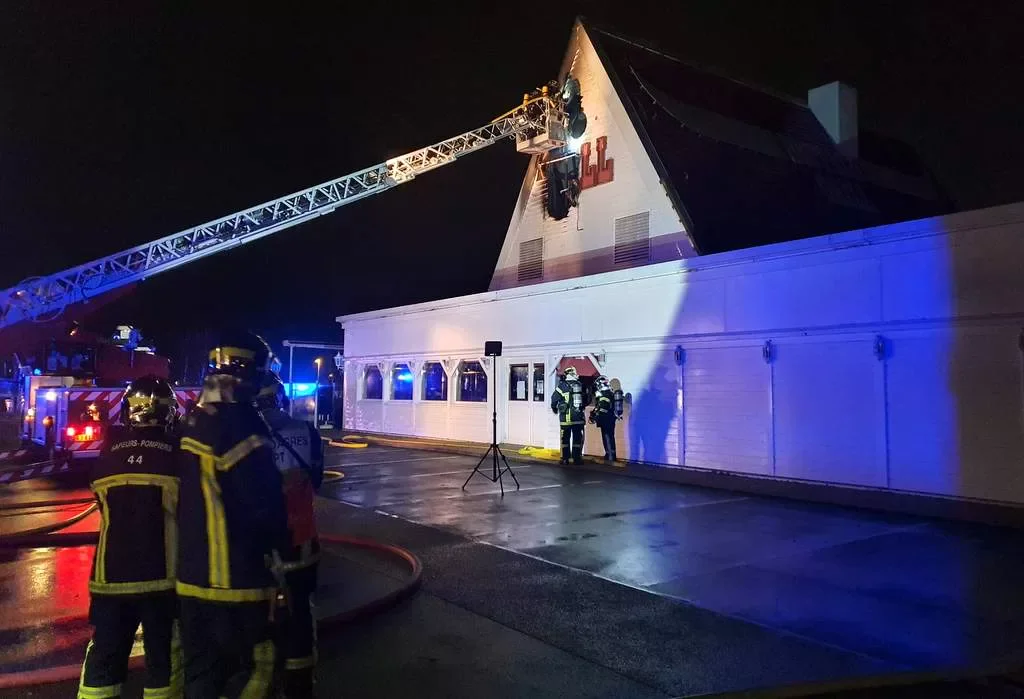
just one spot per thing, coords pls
(892, 591)
(585, 584)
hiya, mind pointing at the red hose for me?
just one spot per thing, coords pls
(394, 597)
(66, 673)
(44, 503)
(48, 528)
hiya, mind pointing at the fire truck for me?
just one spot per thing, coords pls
(72, 421)
(71, 390)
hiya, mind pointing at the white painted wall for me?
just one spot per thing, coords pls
(590, 227)
(939, 411)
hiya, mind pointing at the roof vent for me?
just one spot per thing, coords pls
(633, 238)
(531, 260)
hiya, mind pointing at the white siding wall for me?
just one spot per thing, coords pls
(727, 409)
(895, 357)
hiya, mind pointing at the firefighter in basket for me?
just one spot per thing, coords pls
(299, 455)
(567, 402)
(136, 485)
(233, 529)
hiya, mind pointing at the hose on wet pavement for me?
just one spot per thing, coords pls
(8, 541)
(6, 507)
(66, 673)
(351, 441)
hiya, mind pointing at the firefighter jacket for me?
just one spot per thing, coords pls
(231, 513)
(604, 408)
(299, 456)
(568, 401)
(136, 485)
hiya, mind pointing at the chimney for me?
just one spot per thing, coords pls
(835, 106)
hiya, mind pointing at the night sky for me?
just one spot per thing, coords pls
(121, 123)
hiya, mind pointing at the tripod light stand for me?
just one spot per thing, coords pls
(493, 349)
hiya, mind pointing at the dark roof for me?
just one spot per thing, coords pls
(745, 167)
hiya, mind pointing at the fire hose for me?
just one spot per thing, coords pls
(44, 537)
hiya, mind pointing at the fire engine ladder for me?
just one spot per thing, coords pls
(537, 125)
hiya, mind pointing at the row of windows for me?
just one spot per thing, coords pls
(471, 383)
(525, 382)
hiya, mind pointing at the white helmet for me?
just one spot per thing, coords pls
(601, 382)
(571, 374)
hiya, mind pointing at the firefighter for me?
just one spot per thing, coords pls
(233, 529)
(136, 485)
(567, 402)
(604, 415)
(299, 455)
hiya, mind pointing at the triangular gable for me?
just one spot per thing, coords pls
(625, 216)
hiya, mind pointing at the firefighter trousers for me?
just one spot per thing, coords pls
(572, 443)
(115, 619)
(229, 649)
(298, 637)
(608, 440)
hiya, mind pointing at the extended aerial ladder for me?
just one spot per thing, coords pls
(540, 124)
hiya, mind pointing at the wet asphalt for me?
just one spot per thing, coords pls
(587, 584)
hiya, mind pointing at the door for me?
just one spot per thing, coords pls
(527, 397)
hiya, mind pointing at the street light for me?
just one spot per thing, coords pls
(316, 404)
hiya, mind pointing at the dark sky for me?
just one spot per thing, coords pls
(121, 123)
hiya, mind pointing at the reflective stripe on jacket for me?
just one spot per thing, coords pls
(136, 486)
(231, 511)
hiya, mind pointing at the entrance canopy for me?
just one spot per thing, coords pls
(584, 366)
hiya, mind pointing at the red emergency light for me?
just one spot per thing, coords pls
(84, 434)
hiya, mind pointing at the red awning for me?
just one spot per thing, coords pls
(584, 367)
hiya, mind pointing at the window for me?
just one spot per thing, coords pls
(435, 382)
(373, 388)
(538, 382)
(472, 382)
(633, 238)
(518, 382)
(401, 382)
(531, 260)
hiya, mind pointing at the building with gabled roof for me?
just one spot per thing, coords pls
(783, 297)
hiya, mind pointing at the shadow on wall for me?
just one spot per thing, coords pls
(900, 369)
(653, 411)
(896, 370)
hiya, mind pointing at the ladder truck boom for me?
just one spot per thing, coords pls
(538, 125)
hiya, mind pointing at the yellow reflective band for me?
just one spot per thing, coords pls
(108, 692)
(177, 670)
(158, 693)
(100, 572)
(170, 503)
(223, 355)
(216, 524)
(241, 450)
(130, 588)
(81, 675)
(300, 663)
(258, 685)
(120, 479)
(258, 594)
(198, 448)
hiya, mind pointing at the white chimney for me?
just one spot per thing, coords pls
(835, 106)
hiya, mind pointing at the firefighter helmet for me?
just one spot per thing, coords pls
(571, 374)
(271, 395)
(244, 355)
(149, 402)
(601, 383)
